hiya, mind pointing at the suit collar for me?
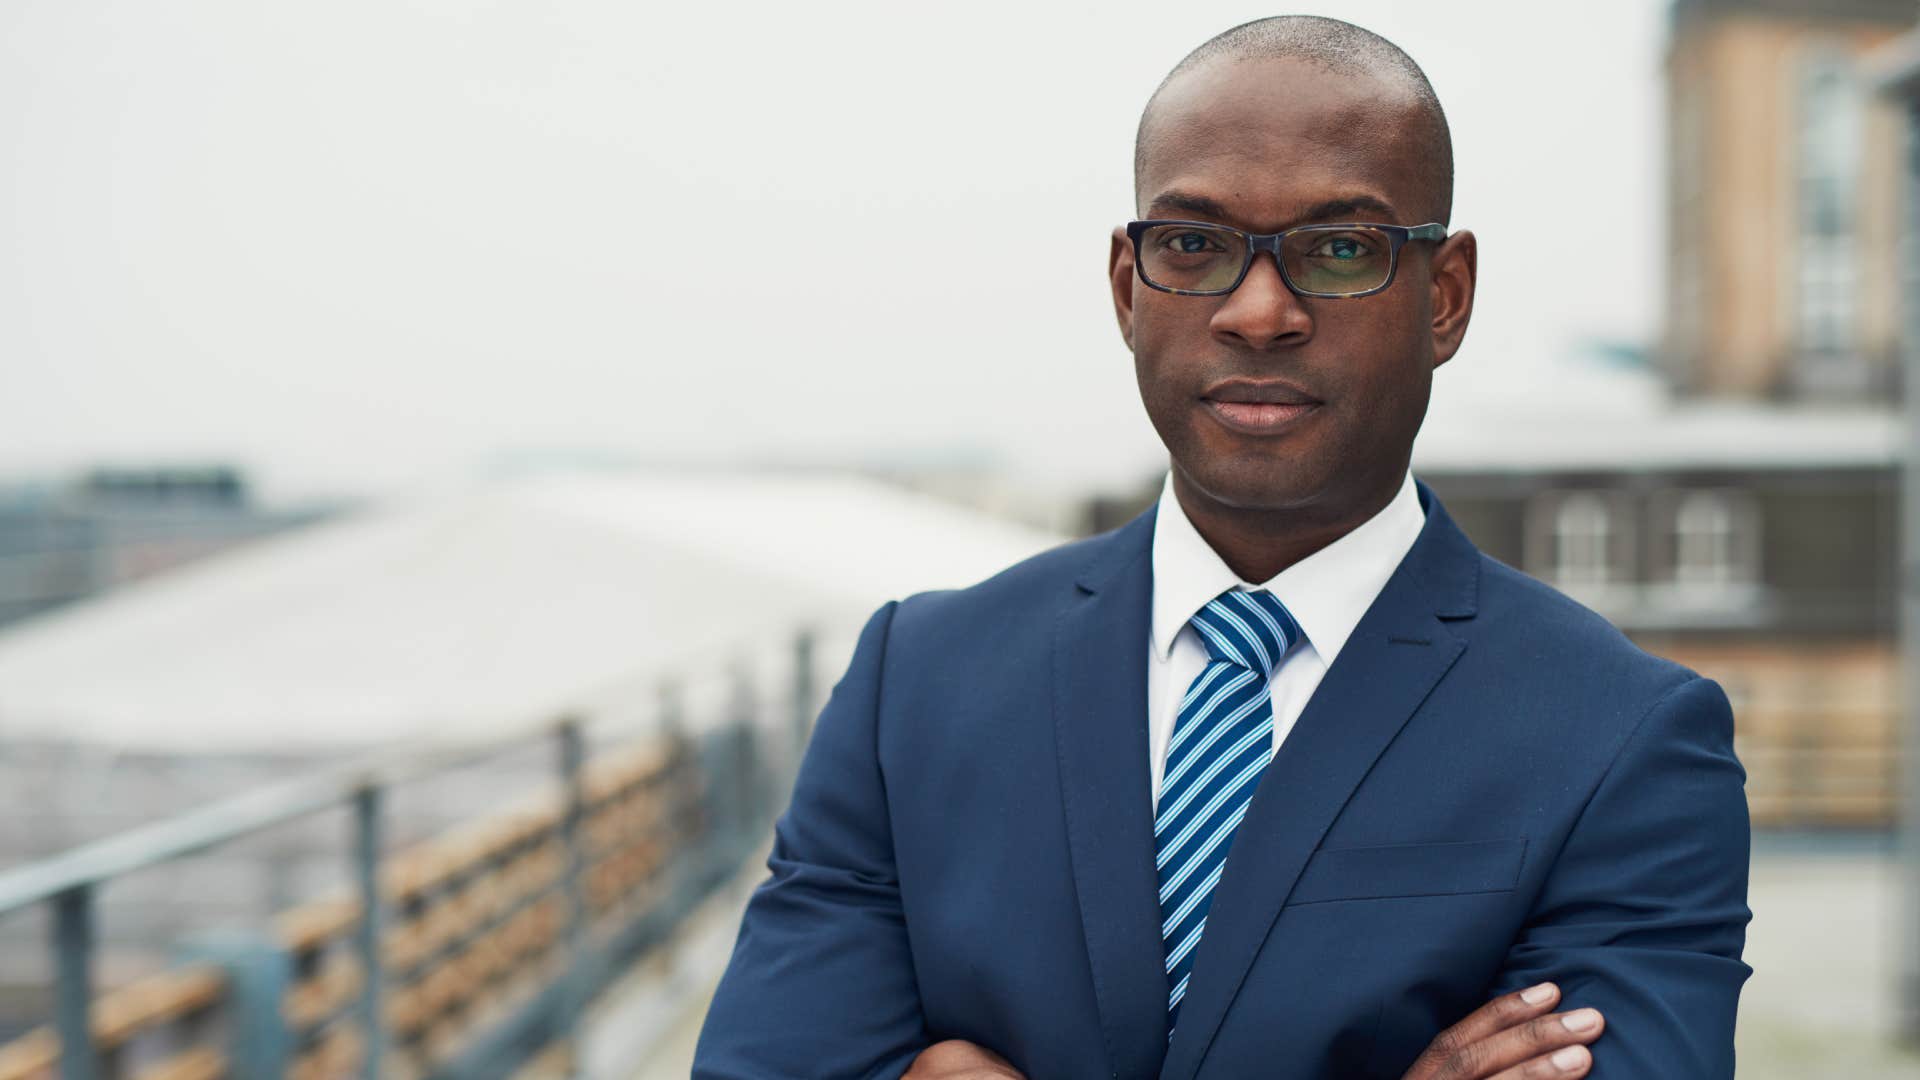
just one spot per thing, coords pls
(1398, 652)
(1326, 592)
(1442, 563)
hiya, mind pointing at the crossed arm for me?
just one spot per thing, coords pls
(1644, 914)
(1642, 919)
(1640, 927)
(821, 983)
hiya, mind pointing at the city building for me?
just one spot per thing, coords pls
(1784, 188)
(67, 539)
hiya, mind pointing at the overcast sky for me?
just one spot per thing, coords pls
(360, 245)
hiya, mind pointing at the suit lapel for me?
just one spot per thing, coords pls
(1100, 727)
(1398, 652)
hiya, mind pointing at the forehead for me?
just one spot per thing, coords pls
(1268, 139)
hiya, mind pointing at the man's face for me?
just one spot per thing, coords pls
(1267, 400)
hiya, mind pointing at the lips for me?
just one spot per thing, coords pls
(1265, 407)
(1259, 392)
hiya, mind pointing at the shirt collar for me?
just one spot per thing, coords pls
(1327, 592)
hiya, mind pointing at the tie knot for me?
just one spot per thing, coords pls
(1251, 629)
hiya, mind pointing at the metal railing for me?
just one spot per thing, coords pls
(462, 957)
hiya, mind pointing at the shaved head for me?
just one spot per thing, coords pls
(1339, 48)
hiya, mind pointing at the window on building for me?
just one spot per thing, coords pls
(1583, 540)
(1715, 539)
(1688, 294)
(1829, 145)
(1703, 540)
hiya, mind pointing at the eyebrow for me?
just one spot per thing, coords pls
(1346, 206)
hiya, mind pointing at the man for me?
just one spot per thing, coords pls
(1453, 799)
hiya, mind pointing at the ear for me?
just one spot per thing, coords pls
(1455, 268)
(1120, 276)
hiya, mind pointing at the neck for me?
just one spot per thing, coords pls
(1257, 543)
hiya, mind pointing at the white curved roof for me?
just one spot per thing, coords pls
(465, 613)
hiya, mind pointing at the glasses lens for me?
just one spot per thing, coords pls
(1191, 258)
(1338, 261)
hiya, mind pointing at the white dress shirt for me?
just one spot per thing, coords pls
(1327, 592)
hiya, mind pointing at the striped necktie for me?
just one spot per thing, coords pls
(1221, 742)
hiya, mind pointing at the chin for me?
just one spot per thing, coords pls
(1255, 484)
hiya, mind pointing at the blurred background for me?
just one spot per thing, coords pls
(446, 450)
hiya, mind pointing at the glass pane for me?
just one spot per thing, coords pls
(1338, 260)
(1191, 257)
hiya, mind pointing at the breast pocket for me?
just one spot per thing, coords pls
(1386, 870)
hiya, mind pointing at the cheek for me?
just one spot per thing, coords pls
(1170, 341)
(1380, 353)
(1165, 389)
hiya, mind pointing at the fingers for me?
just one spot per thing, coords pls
(1483, 1023)
(1529, 1050)
(1552, 1046)
(1566, 1062)
(1511, 1038)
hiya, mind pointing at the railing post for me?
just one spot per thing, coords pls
(742, 717)
(367, 845)
(673, 710)
(73, 1001)
(803, 695)
(573, 759)
(258, 974)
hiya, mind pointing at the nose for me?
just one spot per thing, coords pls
(1263, 313)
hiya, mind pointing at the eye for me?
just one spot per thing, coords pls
(1343, 246)
(1190, 243)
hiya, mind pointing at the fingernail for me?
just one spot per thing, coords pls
(1569, 1058)
(1581, 1020)
(1534, 995)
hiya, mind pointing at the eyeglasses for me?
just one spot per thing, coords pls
(1196, 258)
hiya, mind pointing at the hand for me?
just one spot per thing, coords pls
(957, 1059)
(1509, 1039)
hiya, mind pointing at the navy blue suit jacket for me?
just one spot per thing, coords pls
(1491, 787)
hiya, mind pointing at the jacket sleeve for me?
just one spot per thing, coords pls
(821, 982)
(1644, 913)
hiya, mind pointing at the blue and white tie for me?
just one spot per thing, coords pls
(1221, 742)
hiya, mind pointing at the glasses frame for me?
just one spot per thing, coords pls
(1398, 236)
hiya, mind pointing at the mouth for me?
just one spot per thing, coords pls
(1259, 408)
